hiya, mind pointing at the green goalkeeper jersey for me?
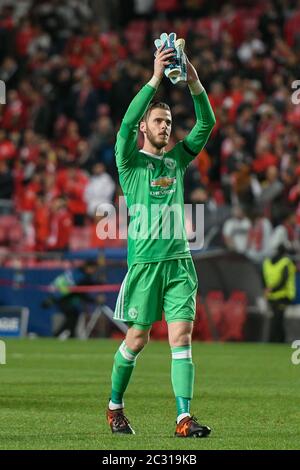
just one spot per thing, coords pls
(153, 185)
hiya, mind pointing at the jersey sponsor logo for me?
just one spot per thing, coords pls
(170, 164)
(133, 313)
(163, 182)
(162, 192)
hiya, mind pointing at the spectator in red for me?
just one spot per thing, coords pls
(292, 27)
(71, 183)
(41, 221)
(294, 195)
(216, 95)
(85, 101)
(72, 138)
(27, 192)
(6, 18)
(235, 97)
(8, 150)
(24, 37)
(75, 57)
(232, 23)
(30, 149)
(264, 156)
(60, 226)
(14, 115)
(99, 63)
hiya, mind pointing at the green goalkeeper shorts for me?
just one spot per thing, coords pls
(151, 288)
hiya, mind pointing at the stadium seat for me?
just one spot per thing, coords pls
(201, 330)
(234, 317)
(215, 306)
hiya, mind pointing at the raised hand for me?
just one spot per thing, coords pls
(163, 58)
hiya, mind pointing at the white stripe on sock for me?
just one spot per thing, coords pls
(182, 354)
(125, 353)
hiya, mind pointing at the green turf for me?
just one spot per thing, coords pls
(53, 395)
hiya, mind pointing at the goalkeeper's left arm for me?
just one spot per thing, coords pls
(205, 118)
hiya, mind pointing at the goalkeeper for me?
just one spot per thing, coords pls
(161, 275)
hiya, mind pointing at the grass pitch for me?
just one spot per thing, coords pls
(53, 395)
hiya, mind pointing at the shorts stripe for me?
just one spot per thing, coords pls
(123, 299)
(117, 305)
(118, 312)
(117, 309)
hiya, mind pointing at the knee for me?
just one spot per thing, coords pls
(136, 342)
(180, 334)
(180, 338)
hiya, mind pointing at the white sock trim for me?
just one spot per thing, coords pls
(115, 406)
(125, 353)
(187, 354)
(183, 415)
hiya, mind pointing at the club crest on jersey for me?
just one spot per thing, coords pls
(150, 166)
(169, 163)
(163, 182)
(133, 313)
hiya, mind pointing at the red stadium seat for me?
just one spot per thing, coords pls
(234, 317)
(201, 329)
(215, 308)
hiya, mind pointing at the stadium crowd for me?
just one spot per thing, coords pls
(69, 81)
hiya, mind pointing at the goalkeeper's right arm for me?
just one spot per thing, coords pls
(127, 135)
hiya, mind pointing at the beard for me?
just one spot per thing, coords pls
(157, 143)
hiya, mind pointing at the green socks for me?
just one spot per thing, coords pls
(124, 363)
(182, 374)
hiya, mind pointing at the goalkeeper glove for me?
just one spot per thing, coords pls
(176, 71)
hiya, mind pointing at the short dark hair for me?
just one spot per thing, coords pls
(154, 105)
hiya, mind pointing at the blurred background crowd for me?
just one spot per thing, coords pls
(71, 70)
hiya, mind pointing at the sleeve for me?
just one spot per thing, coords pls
(194, 142)
(127, 136)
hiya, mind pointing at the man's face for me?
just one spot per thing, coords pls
(157, 128)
